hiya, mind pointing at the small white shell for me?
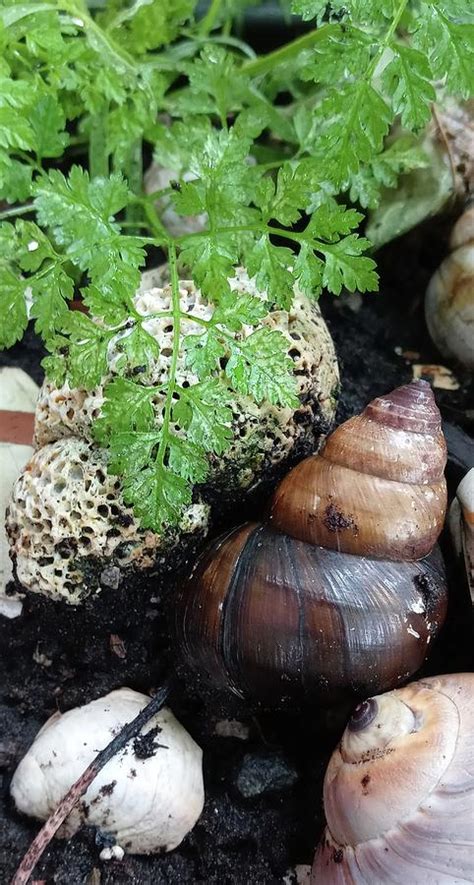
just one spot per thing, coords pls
(147, 804)
(399, 790)
(449, 304)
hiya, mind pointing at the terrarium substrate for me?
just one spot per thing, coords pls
(263, 773)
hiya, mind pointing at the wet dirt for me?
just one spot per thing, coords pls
(54, 657)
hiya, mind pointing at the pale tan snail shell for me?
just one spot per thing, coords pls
(461, 524)
(449, 304)
(399, 789)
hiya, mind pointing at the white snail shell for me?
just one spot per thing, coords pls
(147, 800)
(461, 524)
(449, 304)
(399, 789)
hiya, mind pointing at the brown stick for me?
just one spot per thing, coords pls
(43, 838)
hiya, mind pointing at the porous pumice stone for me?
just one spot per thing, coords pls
(71, 532)
(264, 435)
(147, 797)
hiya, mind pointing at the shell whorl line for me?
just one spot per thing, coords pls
(363, 715)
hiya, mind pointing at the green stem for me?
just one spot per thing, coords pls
(155, 224)
(31, 162)
(16, 210)
(208, 21)
(161, 314)
(135, 224)
(134, 174)
(295, 236)
(99, 37)
(176, 311)
(155, 195)
(265, 63)
(45, 269)
(98, 158)
(386, 41)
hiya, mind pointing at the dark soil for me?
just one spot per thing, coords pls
(54, 657)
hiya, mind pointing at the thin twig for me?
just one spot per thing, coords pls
(445, 140)
(43, 838)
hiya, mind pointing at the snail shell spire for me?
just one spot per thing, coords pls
(411, 407)
(377, 487)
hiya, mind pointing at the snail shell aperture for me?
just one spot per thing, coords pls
(280, 610)
(399, 791)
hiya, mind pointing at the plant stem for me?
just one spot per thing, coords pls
(98, 159)
(135, 224)
(155, 223)
(385, 42)
(122, 58)
(134, 174)
(43, 838)
(16, 210)
(155, 195)
(207, 22)
(294, 236)
(265, 63)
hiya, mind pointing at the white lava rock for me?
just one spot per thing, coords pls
(264, 434)
(449, 304)
(71, 532)
(147, 797)
(159, 178)
(18, 393)
(67, 523)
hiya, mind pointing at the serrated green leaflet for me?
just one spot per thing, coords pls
(267, 152)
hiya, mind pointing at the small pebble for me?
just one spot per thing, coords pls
(301, 875)
(114, 852)
(110, 577)
(264, 772)
(232, 728)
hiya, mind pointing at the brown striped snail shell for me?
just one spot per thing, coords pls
(377, 488)
(289, 608)
(399, 789)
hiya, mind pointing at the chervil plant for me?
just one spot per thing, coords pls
(277, 147)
